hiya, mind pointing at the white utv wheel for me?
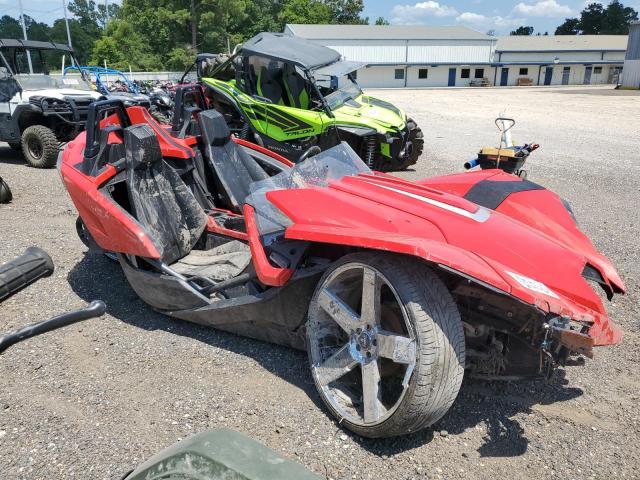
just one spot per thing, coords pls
(386, 344)
(40, 146)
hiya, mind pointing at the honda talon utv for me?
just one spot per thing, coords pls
(395, 288)
(289, 94)
(38, 112)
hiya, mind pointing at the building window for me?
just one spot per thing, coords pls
(399, 73)
(423, 73)
(465, 73)
(597, 69)
(479, 73)
(524, 71)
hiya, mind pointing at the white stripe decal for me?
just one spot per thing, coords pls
(481, 215)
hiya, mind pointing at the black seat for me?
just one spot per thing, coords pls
(235, 169)
(268, 85)
(161, 201)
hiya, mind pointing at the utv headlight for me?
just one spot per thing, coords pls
(533, 285)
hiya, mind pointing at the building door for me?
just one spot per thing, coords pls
(504, 77)
(565, 75)
(587, 75)
(452, 77)
(548, 75)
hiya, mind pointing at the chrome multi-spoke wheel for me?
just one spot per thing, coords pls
(366, 341)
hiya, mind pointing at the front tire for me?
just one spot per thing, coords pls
(386, 344)
(40, 146)
(416, 137)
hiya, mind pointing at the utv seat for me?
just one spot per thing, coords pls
(235, 170)
(166, 208)
(268, 86)
(295, 87)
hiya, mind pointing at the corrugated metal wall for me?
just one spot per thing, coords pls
(413, 51)
(631, 73)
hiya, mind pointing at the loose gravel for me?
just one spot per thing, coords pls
(93, 400)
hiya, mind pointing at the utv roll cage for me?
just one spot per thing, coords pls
(309, 58)
(99, 72)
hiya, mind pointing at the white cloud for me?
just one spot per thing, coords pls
(418, 12)
(543, 8)
(477, 20)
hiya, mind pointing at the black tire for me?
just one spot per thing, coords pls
(40, 146)
(416, 137)
(15, 146)
(439, 344)
(5, 192)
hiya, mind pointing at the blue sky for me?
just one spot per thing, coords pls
(482, 15)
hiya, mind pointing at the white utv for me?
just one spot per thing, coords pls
(40, 112)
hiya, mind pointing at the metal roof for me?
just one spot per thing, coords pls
(561, 43)
(15, 42)
(384, 32)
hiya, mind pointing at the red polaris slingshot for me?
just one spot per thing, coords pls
(395, 288)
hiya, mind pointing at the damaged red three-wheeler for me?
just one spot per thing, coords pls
(395, 288)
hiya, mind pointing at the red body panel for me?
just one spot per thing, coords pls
(386, 213)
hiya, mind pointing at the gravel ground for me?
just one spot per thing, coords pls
(93, 400)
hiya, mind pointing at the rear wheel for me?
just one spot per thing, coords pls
(386, 344)
(40, 146)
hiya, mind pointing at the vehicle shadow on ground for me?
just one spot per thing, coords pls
(10, 156)
(491, 403)
(96, 277)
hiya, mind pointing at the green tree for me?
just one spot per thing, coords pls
(522, 31)
(305, 11)
(346, 12)
(591, 19)
(596, 19)
(382, 21)
(617, 19)
(571, 26)
(10, 27)
(123, 47)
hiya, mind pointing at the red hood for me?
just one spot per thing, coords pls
(495, 246)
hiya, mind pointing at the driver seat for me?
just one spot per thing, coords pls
(160, 200)
(163, 204)
(235, 170)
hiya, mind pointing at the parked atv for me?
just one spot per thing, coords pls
(37, 111)
(289, 94)
(395, 287)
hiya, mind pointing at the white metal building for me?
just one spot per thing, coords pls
(405, 56)
(422, 56)
(559, 59)
(631, 76)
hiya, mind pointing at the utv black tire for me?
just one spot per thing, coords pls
(15, 146)
(5, 192)
(416, 137)
(439, 348)
(40, 146)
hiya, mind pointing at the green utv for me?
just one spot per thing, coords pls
(291, 95)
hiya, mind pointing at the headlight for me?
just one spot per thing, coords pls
(533, 285)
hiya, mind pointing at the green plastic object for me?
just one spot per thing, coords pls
(220, 455)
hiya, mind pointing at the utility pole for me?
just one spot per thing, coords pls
(66, 21)
(24, 32)
(106, 12)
